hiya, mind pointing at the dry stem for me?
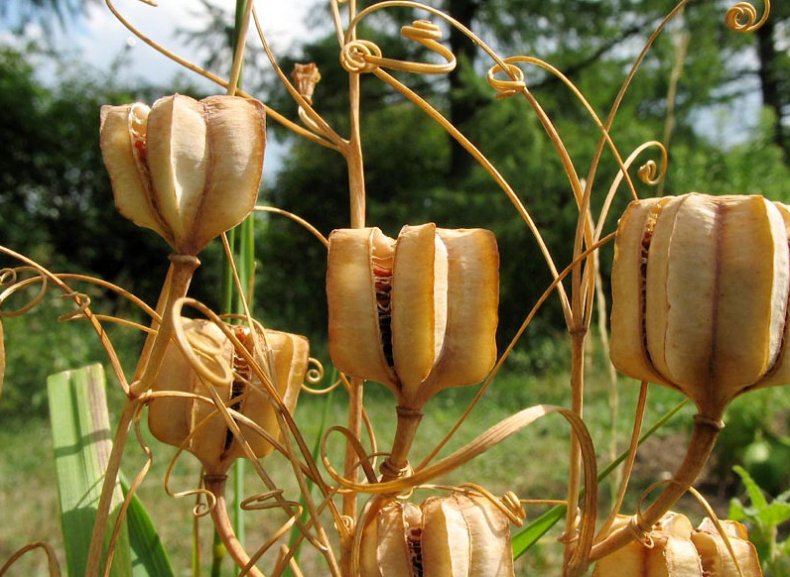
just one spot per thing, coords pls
(702, 441)
(219, 514)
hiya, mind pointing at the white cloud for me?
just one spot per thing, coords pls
(102, 38)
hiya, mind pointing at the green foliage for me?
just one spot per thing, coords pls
(765, 519)
(755, 438)
(81, 441)
(407, 156)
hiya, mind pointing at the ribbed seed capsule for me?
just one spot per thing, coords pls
(455, 536)
(195, 424)
(700, 290)
(418, 314)
(670, 553)
(716, 559)
(677, 550)
(187, 169)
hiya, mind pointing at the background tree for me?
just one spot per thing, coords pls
(17, 13)
(415, 173)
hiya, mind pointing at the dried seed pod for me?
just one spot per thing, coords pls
(195, 424)
(700, 288)
(716, 559)
(187, 169)
(455, 536)
(418, 314)
(667, 552)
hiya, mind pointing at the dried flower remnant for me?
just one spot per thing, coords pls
(187, 169)
(455, 536)
(195, 423)
(306, 77)
(417, 314)
(700, 290)
(667, 551)
(716, 558)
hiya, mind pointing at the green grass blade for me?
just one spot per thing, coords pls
(82, 442)
(149, 558)
(532, 533)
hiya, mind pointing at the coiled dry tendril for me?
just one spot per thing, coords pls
(12, 281)
(363, 56)
(506, 87)
(743, 16)
(356, 56)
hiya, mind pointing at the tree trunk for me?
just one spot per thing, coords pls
(461, 107)
(770, 86)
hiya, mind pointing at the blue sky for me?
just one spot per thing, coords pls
(100, 38)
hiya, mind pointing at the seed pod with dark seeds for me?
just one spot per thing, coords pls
(455, 536)
(700, 290)
(187, 169)
(716, 558)
(667, 552)
(195, 424)
(418, 314)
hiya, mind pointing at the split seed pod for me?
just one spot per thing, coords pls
(187, 169)
(455, 536)
(700, 290)
(670, 552)
(716, 559)
(418, 314)
(195, 424)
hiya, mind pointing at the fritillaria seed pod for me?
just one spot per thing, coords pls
(700, 290)
(187, 169)
(417, 314)
(455, 536)
(193, 422)
(667, 551)
(716, 558)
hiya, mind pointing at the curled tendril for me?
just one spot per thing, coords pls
(52, 558)
(194, 346)
(649, 173)
(506, 87)
(422, 30)
(356, 55)
(362, 56)
(509, 504)
(271, 500)
(83, 303)
(743, 16)
(363, 459)
(11, 283)
(205, 500)
(315, 372)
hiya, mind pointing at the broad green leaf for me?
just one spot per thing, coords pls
(149, 558)
(82, 442)
(737, 511)
(756, 495)
(775, 514)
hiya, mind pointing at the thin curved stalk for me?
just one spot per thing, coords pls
(224, 525)
(108, 486)
(703, 439)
